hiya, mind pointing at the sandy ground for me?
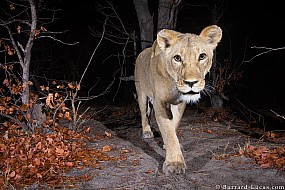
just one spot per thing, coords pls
(210, 150)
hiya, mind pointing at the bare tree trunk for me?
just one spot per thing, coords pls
(145, 23)
(216, 98)
(26, 89)
(27, 53)
(167, 14)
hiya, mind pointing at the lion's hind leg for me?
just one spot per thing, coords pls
(144, 104)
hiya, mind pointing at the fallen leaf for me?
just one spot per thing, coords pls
(6, 135)
(37, 162)
(12, 174)
(208, 131)
(69, 164)
(124, 151)
(17, 177)
(108, 134)
(24, 107)
(106, 148)
(39, 175)
(149, 171)
(266, 165)
(87, 130)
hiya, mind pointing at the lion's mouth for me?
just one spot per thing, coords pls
(191, 92)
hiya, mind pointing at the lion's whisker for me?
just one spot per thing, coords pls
(208, 90)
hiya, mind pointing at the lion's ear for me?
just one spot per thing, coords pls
(212, 34)
(166, 38)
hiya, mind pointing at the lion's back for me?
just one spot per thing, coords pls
(142, 70)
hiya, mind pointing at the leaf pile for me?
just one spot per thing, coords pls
(264, 156)
(45, 157)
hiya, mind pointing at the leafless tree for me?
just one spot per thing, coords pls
(167, 14)
(145, 22)
(22, 23)
(23, 26)
(166, 18)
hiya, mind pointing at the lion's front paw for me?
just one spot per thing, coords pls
(147, 134)
(174, 167)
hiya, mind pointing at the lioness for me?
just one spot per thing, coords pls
(170, 74)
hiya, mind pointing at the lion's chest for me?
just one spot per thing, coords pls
(165, 93)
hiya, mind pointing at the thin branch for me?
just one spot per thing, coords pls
(54, 115)
(278, 115)
(65, 43)
(122, 74)
(268, 50)
(101, 94)
(13, 119)
(80, 116)
(15, 46)
(93, 53)
(251, 111)
(34, 20)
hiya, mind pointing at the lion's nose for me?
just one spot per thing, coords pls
(191, 83)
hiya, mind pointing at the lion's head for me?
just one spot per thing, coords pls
(187, 58)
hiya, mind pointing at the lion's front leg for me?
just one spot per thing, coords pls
(168, 120)
(174, 161)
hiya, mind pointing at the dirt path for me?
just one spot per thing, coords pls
(209, 149)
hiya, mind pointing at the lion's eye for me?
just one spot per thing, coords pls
(202, 56)
(177, 58)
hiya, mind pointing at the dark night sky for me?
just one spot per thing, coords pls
(244, 24)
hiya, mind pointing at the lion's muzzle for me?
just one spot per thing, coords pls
(190, 89)
(190, 86)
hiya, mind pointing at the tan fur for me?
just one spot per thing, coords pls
(170, 74)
